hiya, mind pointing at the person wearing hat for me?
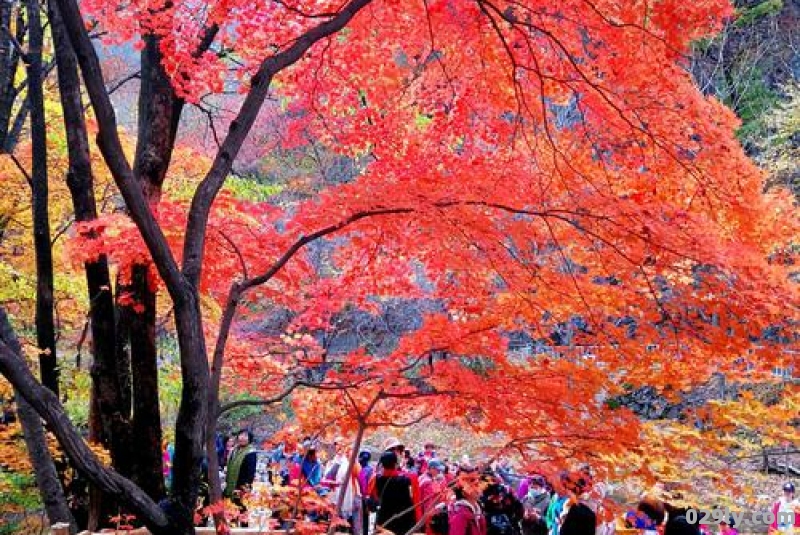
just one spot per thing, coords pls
(393, 444)
(432, 490)
(786, 513)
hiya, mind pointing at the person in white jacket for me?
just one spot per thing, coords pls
(338, 473)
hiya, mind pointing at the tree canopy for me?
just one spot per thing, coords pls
(500, 168)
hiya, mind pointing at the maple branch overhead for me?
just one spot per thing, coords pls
(382, 395)
(279, 397)
(604, 92)
(210, 186)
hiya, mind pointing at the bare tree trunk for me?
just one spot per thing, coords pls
(9, 62)
(46, 477)
(146, 458)
(191, 420)
(55, 503)
(14, 368)
(108, 417)
(159, 115)
(45, 322)
(214, 484)
(351, 462)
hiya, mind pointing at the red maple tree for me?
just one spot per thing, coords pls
(519, 163)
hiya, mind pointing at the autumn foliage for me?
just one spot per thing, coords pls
(516, 166)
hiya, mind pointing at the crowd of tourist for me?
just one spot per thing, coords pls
(399, 492)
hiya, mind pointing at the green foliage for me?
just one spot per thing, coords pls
(750, 15)
(169, 383)
(15, 283)
(251, 188)
(780, 148)
(479, 365)
(18, 497)
(753, 99)
(77, 385)
(423, 120)
(701, 46)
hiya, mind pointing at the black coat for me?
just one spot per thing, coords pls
(247, 472)
(396, 511)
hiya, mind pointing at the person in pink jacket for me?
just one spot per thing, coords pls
(432, 491)
(786, 513)
(466, 517)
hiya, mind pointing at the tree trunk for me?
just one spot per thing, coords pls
(108, 416)
(146, 424)
(215, 379)
(46, 477)
(9, 62)
(55, 503)
(45, 323)
(189, 427)
(14, 368)
(159, 116)
(351, 462)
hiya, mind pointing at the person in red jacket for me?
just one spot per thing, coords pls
(466, 517)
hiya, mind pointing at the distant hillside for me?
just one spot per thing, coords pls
(754, 67)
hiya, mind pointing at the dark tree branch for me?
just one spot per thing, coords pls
(14, 368)
(260, 402)
(13, 136)
(110, 145)
(239, 129)
(21, 168)
(305, 240)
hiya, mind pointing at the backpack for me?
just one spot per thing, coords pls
(439, 522)
(333, 471)
(500, 524)
(442, 516)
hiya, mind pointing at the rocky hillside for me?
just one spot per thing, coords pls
(754, 67)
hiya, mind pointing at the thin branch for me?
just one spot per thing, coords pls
(14, 41)
(257, 402)
(306, 14)
(21, 169)
(61, 231)
(210, 116)
(305, 240)
(124, 80)
(401, 425)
